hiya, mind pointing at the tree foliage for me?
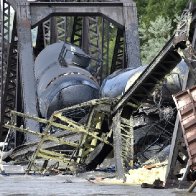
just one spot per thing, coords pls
(149, 10)
(154, 37)
(157, 21)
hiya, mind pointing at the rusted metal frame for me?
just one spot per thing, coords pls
(182, 127)
(105, 48)
(9, 97)
(193, 102)
(186, 127)
(118, 60)
(26, 62)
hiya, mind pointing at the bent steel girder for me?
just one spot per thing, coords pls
(81, 148)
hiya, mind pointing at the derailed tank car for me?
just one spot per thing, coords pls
(61, 78)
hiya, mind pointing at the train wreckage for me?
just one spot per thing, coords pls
(70, 108)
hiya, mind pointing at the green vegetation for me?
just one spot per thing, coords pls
(157, 22)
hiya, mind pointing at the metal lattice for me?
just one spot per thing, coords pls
(5, 42)
(9, 96)
(60, 130)
(118, 61)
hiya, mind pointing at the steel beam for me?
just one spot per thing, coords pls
(131, 34)
(41, 11)
(163, 63)
(118, 60)
(76, 36)
(26, 61)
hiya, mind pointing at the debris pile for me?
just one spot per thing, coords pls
(136, 121)
(65, 142)
(138, 176)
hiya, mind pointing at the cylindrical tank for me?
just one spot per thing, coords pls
(58, 85)
(119, 82)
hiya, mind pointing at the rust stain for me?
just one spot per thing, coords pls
(186, 106)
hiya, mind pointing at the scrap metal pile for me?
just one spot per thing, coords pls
(67, 143)
(78, 138)
(80, 123)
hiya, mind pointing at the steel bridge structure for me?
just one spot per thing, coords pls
(85, 23)
(89, 25)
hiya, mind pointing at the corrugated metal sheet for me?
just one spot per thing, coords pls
(186, 106)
